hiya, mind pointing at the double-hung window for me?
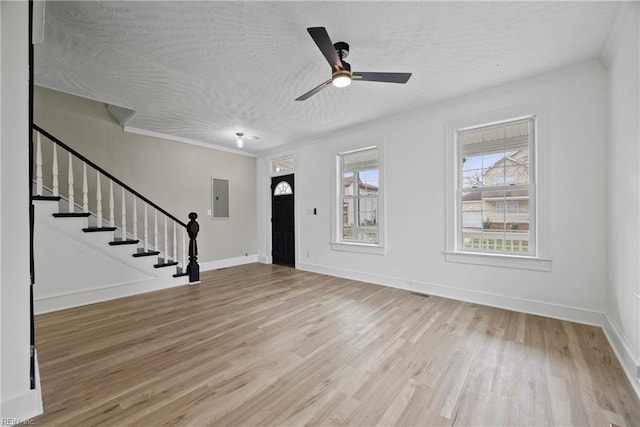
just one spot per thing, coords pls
(358, 207)
(496, 188)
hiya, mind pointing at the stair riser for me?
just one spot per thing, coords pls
(45, 208)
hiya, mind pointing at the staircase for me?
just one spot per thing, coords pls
(142, 248)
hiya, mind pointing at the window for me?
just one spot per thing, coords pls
(282, 189)
(358, 209)
(498, 184)
(282, 166)
(497, 189)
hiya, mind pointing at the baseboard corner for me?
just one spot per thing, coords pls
(20, 409)
(628, 358)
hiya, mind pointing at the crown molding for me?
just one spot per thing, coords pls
(174, 138)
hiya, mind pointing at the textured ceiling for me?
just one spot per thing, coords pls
(205, 70)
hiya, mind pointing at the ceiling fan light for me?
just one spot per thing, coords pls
(239, 141)
(341, 79)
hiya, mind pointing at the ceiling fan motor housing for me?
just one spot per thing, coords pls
(342, 49)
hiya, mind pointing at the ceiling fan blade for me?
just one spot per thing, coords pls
(314, 91)
(382, 77)
(321, 37)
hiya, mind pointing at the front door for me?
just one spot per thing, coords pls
(282, 221)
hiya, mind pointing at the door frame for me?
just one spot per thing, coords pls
(264, 166)
(273, 181)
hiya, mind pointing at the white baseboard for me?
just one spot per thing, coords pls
(522, 305)
(628, 357)
(20, 409)
(541, 308)
(228, 262)
(79, 297)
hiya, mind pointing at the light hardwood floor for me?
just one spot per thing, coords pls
(263, 345)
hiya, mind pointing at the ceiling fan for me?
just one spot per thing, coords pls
(341, 74)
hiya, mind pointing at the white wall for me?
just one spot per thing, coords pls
(17, 399)
(100, 271)
(174, 175)
(623, 309)
(575, 288)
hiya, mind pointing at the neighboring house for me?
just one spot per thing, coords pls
(500, 209)
(366, 213)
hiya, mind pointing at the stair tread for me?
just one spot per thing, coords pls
(71, 214)
(118, 241)
(148, 253)
(95, 229)
(165, 264)
(49, 198)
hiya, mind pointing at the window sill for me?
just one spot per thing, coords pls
(364, 248)
(499, 260)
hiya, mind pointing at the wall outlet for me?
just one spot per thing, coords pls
(638, 371)
(308, 254)
(209, 212)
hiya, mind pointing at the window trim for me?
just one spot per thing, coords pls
(452, 253)
(349, 246)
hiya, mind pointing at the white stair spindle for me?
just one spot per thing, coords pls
(85, 189)
(98, 200)
(70, 175)
(56, 188)
(146, 229)
(38, 165)
(184, 250)
(112, 214)
(135, 219)
(124, 216)
(175, 245)
(166, 241)
(155, 230)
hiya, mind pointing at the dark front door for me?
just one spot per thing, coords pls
(283, 249)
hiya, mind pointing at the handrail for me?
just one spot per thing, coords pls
(105, 173)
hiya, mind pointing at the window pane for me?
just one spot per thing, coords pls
(347, 182)
(283, 188)
(517, 174)
(282, 165)
(360, 159)
(367, 211)
(347, 218)
(368, 181)
(472, 178)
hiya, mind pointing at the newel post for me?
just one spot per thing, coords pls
(193, 269)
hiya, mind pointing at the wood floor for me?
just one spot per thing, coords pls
(264, 345)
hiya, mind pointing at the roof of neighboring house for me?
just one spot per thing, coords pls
(347, 181)
(505, 158)
(473, 196)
